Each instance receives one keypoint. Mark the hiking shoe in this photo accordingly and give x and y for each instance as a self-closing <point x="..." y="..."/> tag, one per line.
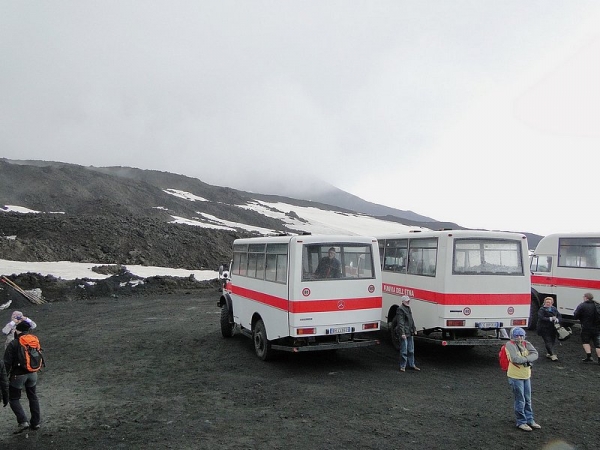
<point x="554" y="358"/>
<point x="535" y="425"/>
<point x="525" y="427"/>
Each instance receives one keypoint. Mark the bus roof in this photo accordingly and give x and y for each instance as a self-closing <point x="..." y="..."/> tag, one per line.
<point x="549" y="244"/>
<point x="453" y="233"/>
<point x="308" y="238"/>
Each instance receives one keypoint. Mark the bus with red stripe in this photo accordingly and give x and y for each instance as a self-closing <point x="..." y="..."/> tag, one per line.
<point x="564" y="266"/>
<point x="303" y="293"/>
<point x="466" y="286"/>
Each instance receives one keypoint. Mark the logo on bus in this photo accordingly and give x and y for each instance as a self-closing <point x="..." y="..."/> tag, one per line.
<point x="341" y="304"/>
<point x="371" y="288"/>
<point x="306" y="292"/>
<point x="467" y="311"/>
<point x="511" y="310"/>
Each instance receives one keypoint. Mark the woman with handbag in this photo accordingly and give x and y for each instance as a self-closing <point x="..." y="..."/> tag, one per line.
<point x="548" y="316"/>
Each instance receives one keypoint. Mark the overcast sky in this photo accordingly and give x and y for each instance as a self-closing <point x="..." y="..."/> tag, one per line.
<point x="483" y="113"/>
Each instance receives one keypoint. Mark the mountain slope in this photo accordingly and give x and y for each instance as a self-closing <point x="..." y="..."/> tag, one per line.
<point x="133" y="216"/>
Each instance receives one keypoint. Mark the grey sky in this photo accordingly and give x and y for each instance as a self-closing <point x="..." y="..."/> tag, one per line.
<point x="479" y="112"/>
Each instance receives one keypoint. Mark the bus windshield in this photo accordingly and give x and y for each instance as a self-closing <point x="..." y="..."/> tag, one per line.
<point x="327" y="261"/>
<point x="487" y="257"/>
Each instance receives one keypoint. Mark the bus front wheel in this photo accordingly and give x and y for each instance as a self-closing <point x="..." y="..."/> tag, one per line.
<point x="227" y="324"/>
<point x="262" y="346"/>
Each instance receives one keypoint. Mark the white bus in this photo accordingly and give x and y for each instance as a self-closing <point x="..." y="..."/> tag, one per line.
<point x="303" y="293"/>
<point x="466" y="286"/>
<point x="564" y="267"/>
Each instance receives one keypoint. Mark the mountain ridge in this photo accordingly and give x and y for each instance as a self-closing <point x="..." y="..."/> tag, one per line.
<point x="126" y="215"/>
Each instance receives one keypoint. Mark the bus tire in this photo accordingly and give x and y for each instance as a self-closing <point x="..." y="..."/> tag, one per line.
<point x="227" y="323"/>
<point x="262" y="346"/>
<point x="533" y="312"/>
<point x="393" y="335"/>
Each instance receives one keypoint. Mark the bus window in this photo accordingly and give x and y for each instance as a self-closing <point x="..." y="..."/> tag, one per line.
<point x="579" y="252"/>
<point x="484" y="256"/>
<point x="330" y="261"/>
<point x="358" y="262"/>
<point x="276" y="264"/>
<point x="256" y="261"/>
<point x="240" y="260"/>
<point x="541" y="263"/>
<point x="423" y="257"/>
<point x="395" y="258"/>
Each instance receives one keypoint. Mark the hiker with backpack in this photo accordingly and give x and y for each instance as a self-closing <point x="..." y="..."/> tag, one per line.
<point x="9" y="329"/>
<point x="23" y="360"/>
<point x="521" y="354"/>
<point x="588" y="314"/>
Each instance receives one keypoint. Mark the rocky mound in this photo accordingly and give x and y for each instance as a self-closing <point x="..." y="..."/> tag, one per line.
<point x="112" y="239"/>
<point x="121" y="284"/>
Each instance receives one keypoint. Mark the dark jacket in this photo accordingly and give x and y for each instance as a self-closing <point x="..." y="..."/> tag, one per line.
<point x="586" y="314"/>
<point x="545" y="326"/>
<point x="329" y="268"/>
<point x="405" y="322"/>
<point x="3" y="383"/>
<point x="11" y="357"/>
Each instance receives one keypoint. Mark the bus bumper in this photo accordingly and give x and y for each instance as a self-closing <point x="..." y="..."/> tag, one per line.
<point x="326" y="346"/>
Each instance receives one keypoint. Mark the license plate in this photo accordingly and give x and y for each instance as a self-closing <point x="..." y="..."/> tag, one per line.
<point x="488" y="325"/>
<point x="340" y="330"/>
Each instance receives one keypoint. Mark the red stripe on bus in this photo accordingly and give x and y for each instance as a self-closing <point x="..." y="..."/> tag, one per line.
<point x="565" y="282"/>
<point x="309" y="306"/>
<point x="271" y="300"/>
<point x="459" y="298"/>
<point x="342" y="304"/>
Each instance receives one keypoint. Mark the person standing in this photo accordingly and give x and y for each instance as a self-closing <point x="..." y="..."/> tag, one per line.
<point x="20" y="378"/>
<point x="9" y="329"/>
<point x="590" y="327"/>
<point x="548" y="316"/>
<point x="406" y="329"/>
<point x="521" y="354"/>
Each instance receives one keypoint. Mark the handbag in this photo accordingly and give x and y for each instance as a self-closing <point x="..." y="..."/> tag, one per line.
<point x="563" y="333"/>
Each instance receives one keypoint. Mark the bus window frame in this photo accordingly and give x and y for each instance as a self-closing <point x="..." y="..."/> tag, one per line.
<point x="571" y="242"/>
<point x="482" y="242"/>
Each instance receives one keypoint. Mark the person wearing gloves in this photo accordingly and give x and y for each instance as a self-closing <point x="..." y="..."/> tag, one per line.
<point x="9" y="329"/>
<point x="521" y="354"/>
<point x="548" y="316"/>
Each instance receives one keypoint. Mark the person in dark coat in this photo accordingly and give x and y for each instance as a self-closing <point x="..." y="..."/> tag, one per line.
<point x="548" y="316"/>
<point x="406" y="329"/>
<point x="590" y="328"/>
<point x="329" y="266"/>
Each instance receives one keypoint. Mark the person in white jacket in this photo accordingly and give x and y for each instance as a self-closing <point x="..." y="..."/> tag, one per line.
<point x="9" y="329"/>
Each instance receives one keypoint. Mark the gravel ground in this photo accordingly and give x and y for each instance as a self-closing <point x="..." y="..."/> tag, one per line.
<point x="142" y="372"/>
